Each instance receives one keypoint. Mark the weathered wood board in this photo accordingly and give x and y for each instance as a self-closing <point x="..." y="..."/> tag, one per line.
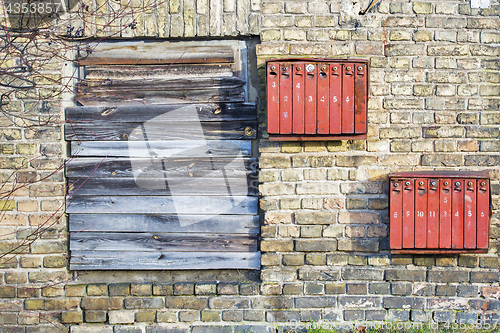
<point x="172" y="242"/>
<point x="162" y="187"/>
<point x="160" y="130"/>
<point x="161" y="71"/>
<point x="119" y="260"/>
<point x="182" y="167"/>
<point x="162" y="149"/>
<point x="205" y="205"/>
<point x="219" y="224"/>
<point x="101" y="115"/>
<point x="134" y="97"/>
<point x="154" y="52"/>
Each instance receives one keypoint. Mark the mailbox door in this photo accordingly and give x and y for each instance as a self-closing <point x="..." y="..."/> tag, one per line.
<point x="285" y="99"/>
<point x="323" y="125"/>
<point x="336" y="98"/>
<point x="483" y="213"/>
<point x="360" y="99"/>
<point x="433" y="214"/>
<point x="408" y="214"/>
<point x="298" y="98"/>
<point x="470" y="227"/>
<point x="445" y="213"/>
<point x="421" y="213"/>
<point x="273" y="98"/>
<point x="457" y="218"/>
<point x="348" y="98"/>
<point x="396" y="215"/>
<point x="310" y="101"/>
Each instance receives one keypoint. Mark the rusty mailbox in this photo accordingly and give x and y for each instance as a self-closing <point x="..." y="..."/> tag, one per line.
<point x="317" y="99"/>
<point x="439" y="212"/>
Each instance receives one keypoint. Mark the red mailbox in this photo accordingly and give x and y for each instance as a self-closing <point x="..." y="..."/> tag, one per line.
<point x="317" y="99"/>
<point x="439" y="212"/>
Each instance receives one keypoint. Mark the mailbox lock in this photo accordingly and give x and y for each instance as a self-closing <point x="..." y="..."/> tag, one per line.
<point x="396" y="184"/>
<point x="421" y="183"/>
<point x="285" y="69"/>
<point x="445" y="183"/>
<point x="457" y="184"/>
<point x="470" y="184"/>
<point x="249" y="131"/>
<point x="407" y="183"/>
<point x="335" y="68"/>
<point x="323" y="68"/>
<point x="299" y="68"/>
<point x="483" y="183"/>
<point x="348" y="68"/>
<point x="273" y="68"/>
<point x="360" y="68"/>
<point x="433" y="183"/>
<point x="310" y="67"/>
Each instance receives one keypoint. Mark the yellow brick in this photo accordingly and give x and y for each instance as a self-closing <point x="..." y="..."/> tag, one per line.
<point x="314" y="146"/>
<point x="7" y="205"/>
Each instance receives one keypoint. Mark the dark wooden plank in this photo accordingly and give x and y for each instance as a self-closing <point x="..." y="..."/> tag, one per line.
<point x="165" y="185"/>
<point x="158" y="71"/>
<point x="219" y="224"/>
<point x="161" y="149"/>
<point x="83" y="167"/>
<point x="133" y="97"/>
<point x="159" y="129"/>
<point x="189" y="205"/>
<point x="168" y="242"/>
<point x="173" y="112"/>
<point x="158" y="84"/>
<point x="108" y="260"/>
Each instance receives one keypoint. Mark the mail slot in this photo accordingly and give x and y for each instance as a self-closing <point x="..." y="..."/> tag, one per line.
<point x="317" y="99"/>
<point x="439" y="212"/>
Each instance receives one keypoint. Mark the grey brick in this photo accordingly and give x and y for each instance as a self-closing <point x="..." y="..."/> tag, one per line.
<point x="283" y="316"/>
<point x="444" y="290"/>
<point x="394" y="302"/>
<point x="448" y="303"/>
<point x="378" y="315"/>
<point x="253" y="329"/>
<point x="444" y="316"/>
<point x="420" y="316"/>
<point x="381" y="288"/>
<point x="448" y="276"/>
<point x="316" y="302"/>
<point x="360" y="301"/>
<point x="398" y="315"/>
<point x="467" y="291"/>
<point x="144" y="303"/>
<point x="467" y="318"/>
<point x="352" y="315"/>
<point x="401" y="289"/>
<point x="485" y="277"/>
<point x="170" y="329"/>
<point x="369" y="274"/>
<point x="405" y="275"/>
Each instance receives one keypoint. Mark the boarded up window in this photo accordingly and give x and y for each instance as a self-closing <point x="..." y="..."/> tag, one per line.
<point x="161" y="174"/>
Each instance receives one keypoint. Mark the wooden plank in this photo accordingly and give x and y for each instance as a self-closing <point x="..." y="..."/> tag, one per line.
<point x="190" y="205"/>
<point x="133" y="97"/>
<point x="146" y="52"/>
<point x="163" y="186"/>
<point x="220" y="224"/>
<point x="158" y="71"/>
<point x="160" y="130"/>
<point x="161" y="149"/>
<point x="168" y="242"/>
<point x="159" y="84"/>
<point x="99" y="115"/>
<point x="88" y="260"/>
<point x="83" y="167"/>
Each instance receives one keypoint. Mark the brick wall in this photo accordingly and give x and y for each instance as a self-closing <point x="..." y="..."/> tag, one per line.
<point x="434" y="101"/>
